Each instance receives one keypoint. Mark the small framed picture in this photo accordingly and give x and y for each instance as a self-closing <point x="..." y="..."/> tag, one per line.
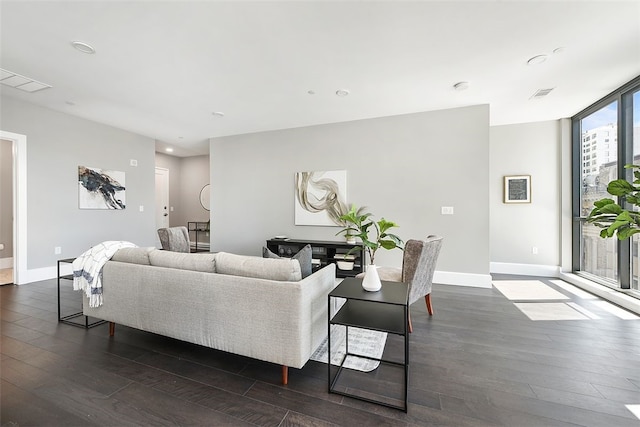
<point x="517" y="189"/>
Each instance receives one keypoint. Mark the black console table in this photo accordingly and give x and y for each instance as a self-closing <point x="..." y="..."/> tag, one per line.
<point x="199" y="227"/>
<point x="324" y="252"/>
<point x="68" y="318"/>
<point x="386" y="310"/>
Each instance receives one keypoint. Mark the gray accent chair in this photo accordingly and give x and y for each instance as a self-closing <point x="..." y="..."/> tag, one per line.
<point x="418" y="265"/>
<point x="175" y="239"/>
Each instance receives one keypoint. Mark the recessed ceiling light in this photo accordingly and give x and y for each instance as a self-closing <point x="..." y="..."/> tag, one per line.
<point x="218" y="114"/>
<point x="83" y="47"/>
<point x="311" y="92"/>
<point x="538" y="59"/>
<point x="560" y="49"/>
<point x="461" y="86"/>
<point x="169" y="150"/>
<point x="342" y="92"/>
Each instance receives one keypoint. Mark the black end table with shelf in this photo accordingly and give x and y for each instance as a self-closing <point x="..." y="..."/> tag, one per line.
<point x="323" y="253"/>
<point x="69" y="318"/>
<point x="386" y="310"/>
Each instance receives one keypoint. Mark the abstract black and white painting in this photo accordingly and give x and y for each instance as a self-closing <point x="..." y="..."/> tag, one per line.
<point x="100" y="189"/>
<point x="320" y="197"/>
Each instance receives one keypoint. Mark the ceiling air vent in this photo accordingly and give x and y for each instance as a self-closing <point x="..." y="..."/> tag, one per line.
<point x="17" y="81"/>
<point x="541" y="93"/>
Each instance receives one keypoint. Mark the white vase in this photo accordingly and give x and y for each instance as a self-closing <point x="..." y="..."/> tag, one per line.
<point x="371" y="281"/>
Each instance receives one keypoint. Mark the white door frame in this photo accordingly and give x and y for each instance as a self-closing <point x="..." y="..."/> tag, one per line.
<point x="19" y="205"/>
<point x="166" y="172"/>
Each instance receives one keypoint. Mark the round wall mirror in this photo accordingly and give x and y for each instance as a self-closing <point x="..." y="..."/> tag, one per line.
<point x="205" y="196"/>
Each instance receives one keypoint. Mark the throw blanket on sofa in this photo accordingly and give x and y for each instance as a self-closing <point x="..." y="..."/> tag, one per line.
<point x="87" y="269"/>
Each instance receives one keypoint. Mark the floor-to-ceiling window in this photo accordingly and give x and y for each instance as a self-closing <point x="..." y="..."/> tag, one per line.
<point x="599" y="165"/>
<point x="606" y="136"/>
<point x="635" y="136"/>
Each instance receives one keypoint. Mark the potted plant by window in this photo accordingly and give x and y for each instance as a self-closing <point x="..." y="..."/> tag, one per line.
<point x="358" y="223"/>
<point x="611" y="216"/>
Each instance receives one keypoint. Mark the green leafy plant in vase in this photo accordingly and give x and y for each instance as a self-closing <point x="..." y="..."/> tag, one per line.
<point x="358" y="223"/>
<point x="611" y="216"/>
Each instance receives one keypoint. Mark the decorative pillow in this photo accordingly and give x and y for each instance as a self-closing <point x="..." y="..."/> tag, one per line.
<point x="205" y="262"/>
<point x="133" y="255"/>
<point x="283" y="269"/>
<point x="303" y="256"/>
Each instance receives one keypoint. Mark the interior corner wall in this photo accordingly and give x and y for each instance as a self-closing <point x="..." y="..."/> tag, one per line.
<point x="174" y="166"/>
<point x="57" y="143"/>
<point x="404" y="168"/>
<point x="527" y="149"/>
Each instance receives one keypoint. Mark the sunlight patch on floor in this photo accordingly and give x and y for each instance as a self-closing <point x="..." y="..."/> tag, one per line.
<point x="550" y="311"/>
<point x="583" y="310"/>
<point x="615" y="310"/>
<point x="6" y="276"/>
<point x="523" y="290"/>
<point x="573" y="289"/>
<point x="635" y="410"/>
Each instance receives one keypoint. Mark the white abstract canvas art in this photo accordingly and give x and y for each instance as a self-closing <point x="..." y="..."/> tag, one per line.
<point x="100" y="189"/>
<point x="320" y="197"/>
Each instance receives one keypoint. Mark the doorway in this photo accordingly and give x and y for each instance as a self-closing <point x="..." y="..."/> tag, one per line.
<point x="162" y="199"/>
<point x="18" y="212"/>
<point x="6" y="212"/>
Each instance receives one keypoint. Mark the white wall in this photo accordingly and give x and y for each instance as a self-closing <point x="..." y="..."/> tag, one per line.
<point x="57" y="144"/>
<point x="528" y="149"/>
<point x="404" y="168"/>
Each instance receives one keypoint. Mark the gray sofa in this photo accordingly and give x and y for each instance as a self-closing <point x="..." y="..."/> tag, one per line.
<point x="255" y="307"/>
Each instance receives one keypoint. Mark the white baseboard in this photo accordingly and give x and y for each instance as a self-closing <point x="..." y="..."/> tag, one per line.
<point x="525" y="269"/>
<point x="440" y="277"/>
<point x="613" y="295"/>
<point x="462" y="279"/>
<point x="6" y="262"/>
<point x="44" y="273"/>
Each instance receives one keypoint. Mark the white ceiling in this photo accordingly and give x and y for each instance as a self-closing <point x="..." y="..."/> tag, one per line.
<point x="162" y="68"/>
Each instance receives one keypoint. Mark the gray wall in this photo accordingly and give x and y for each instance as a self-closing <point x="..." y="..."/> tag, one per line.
<point x="57" y="144"/>
<point x="527" y="149"/>
<point x="194" y="176"/>
<point x="404" y="168"/>
<point x="6" y="198"/>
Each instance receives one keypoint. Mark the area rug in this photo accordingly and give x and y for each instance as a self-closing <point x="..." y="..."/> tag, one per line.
<point x="361" y="341"/>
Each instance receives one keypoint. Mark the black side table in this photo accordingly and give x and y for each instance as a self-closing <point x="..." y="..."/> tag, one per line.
<point x="67" y="319"/>
<point x="387" y="311"/>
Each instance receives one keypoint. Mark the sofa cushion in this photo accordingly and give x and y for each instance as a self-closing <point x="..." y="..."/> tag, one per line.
<point x="303" y="256"/>
<point x="185" y="261"/>
<point x="133" y="255"/>
<point x="283" y="269"/>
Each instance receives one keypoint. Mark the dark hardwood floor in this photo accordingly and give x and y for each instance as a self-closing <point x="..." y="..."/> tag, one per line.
<point x="479" y="361"/>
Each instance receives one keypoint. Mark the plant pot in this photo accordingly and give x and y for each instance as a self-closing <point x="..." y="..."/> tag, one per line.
<point x="371" y="281"/>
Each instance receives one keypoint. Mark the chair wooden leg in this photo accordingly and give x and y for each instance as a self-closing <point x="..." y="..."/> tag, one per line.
<point x="427" y="298"/>
<point x="410" y="326"/>
<point x="285" y="374"/>
<point x="112" y="329"/>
